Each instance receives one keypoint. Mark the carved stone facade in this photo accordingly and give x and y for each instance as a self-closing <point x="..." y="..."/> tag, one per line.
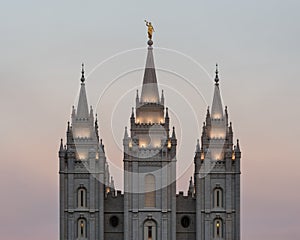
<point x="149" y="208"/>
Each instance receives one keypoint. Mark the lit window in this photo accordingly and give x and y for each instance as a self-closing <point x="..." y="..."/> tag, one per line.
<point x="81" y="229"/>
<point x="218" y="228"/>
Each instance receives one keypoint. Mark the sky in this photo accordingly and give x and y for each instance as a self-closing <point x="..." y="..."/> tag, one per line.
<point x="256" y="44"/>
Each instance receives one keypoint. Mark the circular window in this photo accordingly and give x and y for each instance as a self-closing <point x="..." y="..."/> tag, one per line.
<point x="185" y="221"/>
<point x="114" y="221"/>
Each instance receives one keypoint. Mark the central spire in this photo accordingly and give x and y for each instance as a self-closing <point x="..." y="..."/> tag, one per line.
<point x="150" y="88"/>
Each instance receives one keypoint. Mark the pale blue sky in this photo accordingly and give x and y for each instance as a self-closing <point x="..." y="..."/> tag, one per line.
<point x="256" y="43"/>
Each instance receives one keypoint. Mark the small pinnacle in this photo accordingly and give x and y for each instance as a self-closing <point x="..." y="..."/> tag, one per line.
<point x="198" y="146"/>
<point x="173" y="133"/>
<point x="61" y="144"/>
<point x="167" y="112"/>
<point x="125" y="133"/>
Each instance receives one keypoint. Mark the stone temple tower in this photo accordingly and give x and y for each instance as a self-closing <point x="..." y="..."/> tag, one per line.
<point x="83" y="174"/>
<point x="217" y="176"/>
<point x="149" y="209"/>
<point x="150" y="165"/>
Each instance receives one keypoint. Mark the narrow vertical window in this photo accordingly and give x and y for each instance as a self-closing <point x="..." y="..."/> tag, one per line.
<point x="150" y="233"/>
<point x="150" y="195"/>
<point x="81" y="228"/>
<point x="218" y="198"/>
<point x="218" y="228"/>
<point x="81" y="198"/>
<point x="149" y="230"/>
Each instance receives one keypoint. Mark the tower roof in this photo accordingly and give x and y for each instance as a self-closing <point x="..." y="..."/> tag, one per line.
<point x="82" y="108"/>
<point x="217" y="108"/>
<point x="150" y="88"/>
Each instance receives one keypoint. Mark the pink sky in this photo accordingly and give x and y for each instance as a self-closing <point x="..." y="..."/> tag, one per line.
<point x="256" y="45"/>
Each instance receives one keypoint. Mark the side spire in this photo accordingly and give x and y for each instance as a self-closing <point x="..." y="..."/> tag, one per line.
<point x="217" y="108"/>
<point x="150" y="88"/>
<point x="82" y="108"/>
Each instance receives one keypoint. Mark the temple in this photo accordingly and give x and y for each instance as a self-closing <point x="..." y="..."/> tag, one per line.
<point x="149" y="208"/>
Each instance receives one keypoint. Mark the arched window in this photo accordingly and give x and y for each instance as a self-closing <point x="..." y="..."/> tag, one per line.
<point x="149" y="230"/>
<point x="150" y="191"/>
<point x="218" y="198"/>
<point x="218" y="228"/>
<point x="82" y="229"/>
<point x="81" y="197"/>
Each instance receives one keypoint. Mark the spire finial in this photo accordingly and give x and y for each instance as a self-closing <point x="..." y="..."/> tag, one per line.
<point x="82" y="73"/>
<point x="217" y="75"/>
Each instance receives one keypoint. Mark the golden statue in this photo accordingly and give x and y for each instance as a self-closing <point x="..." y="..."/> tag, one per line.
<point x="150" y="29"/>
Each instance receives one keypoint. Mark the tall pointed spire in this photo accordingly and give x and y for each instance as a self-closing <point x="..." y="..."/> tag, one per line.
<point x="150" y="88"/>
<point x="82" y="108"/>
<point x="217" y="108"/>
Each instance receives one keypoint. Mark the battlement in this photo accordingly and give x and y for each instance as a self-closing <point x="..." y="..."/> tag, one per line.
<point x="150" y="104"/>
<point x="140" y="125"/>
